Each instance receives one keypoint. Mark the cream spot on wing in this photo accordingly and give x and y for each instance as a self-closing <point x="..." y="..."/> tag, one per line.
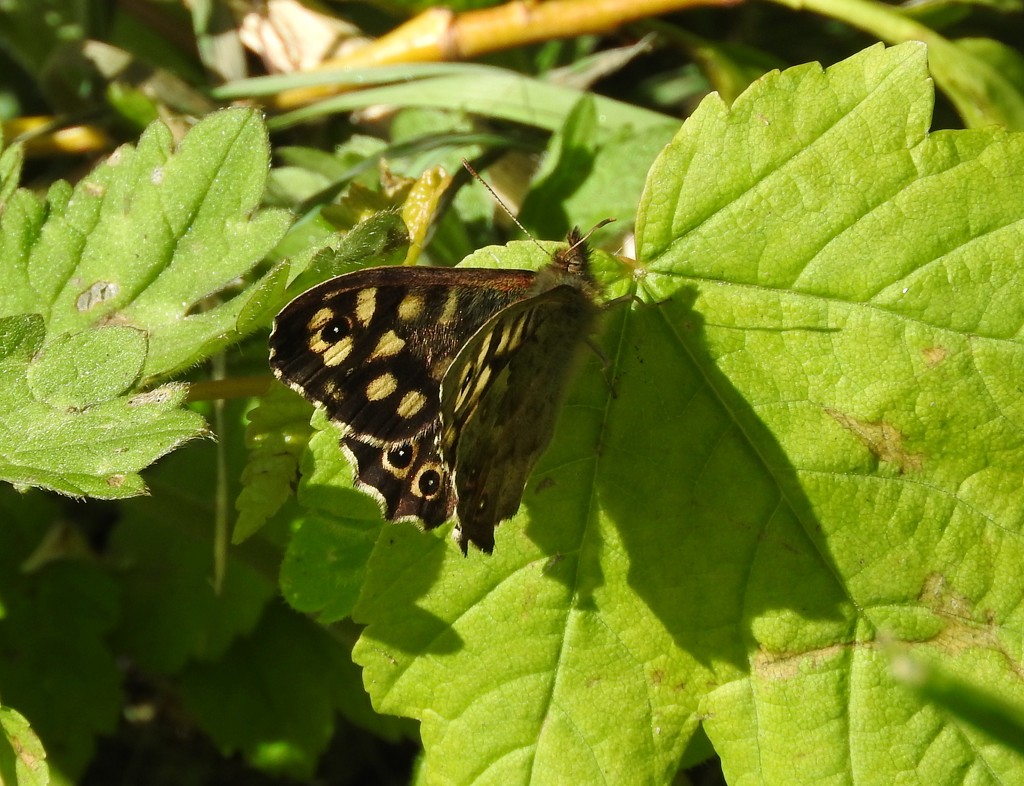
<point x="411" y="307"/>
<point x="319" y="319"/>
<point x="506" y="331"/>
<point x="515" y="334"/>
<point x="382" y="387"/>
<point x="439" y="367"/>
<point x="485" y="351"/>
<point x="412" y="402"/>
<point x="511" y="336"/>
<point x="337" y="352"/>
<point x="390" y="344"/>
<point x="482" y="380"/>
<point x="366" y="304"/>
<point x="451" y="306"/>
<point x="472" y="392"/>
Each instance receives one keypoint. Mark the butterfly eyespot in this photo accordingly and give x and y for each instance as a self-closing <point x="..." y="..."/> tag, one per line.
<point x="337" y="329"/>
<point x="429" y="483"/>
<point x="400" y="457"/>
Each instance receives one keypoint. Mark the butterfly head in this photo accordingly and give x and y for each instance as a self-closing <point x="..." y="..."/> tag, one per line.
<point x="575" y="258"/>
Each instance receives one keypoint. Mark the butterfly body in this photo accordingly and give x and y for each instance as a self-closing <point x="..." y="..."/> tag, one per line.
<point x="447" y="381"/>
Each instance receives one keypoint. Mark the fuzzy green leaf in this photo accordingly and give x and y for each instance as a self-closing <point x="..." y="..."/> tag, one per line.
<point x="21" y="336"/>
<point x="147" y="238"/>
<point x="96" y="451"/>
<point x="275" y="436"/>
<point x="809" y="445"/>
<point x="325" y="563"/>
<point x="855" y="318"/>
<point x="120" y="281"/>
<point x="152" y="234"/>
<point x="87" y="368"/>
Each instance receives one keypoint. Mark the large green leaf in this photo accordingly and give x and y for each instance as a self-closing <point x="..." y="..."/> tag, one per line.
<point x="803" y="455"/>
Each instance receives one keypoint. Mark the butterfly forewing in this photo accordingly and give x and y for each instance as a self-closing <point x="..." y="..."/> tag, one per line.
<point x="371" y="347"/>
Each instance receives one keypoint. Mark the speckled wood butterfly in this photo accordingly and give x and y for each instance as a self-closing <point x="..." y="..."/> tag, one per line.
<point x="447" y="381"/>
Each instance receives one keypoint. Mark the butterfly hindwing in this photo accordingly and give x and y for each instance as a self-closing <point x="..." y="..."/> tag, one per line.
<point x="500" y="399"/>
<point x="409" y="479"/>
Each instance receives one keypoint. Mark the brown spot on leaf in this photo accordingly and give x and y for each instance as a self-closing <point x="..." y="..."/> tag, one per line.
<point x="25" y="756"/>
<point x="934" y="356"/>
<point x="115" y="481"/>
<point x="961" y="631"/>
<point x="883" y="439"/>
<point x="99" y="292"/>
<point x="939" y="598"/>
<point x="114" y="318"/>
<point x="784" y="666"/>
<point x="160" y="395"/>
<point x="544" y="484"/>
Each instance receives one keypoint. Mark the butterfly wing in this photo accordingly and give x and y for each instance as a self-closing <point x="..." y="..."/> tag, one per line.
<point x="371" y="348"/>
<point x="500" y="399"/>
<point x="408" y="479"/>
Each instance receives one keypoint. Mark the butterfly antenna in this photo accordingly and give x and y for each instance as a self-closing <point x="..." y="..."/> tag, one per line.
<point x="526" y="232"/>
<point x="593" y="229"/>
<point x="504" y="207"/>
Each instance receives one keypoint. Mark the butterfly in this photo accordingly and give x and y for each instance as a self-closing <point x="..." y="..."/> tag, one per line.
<point x="446" y="381"/>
